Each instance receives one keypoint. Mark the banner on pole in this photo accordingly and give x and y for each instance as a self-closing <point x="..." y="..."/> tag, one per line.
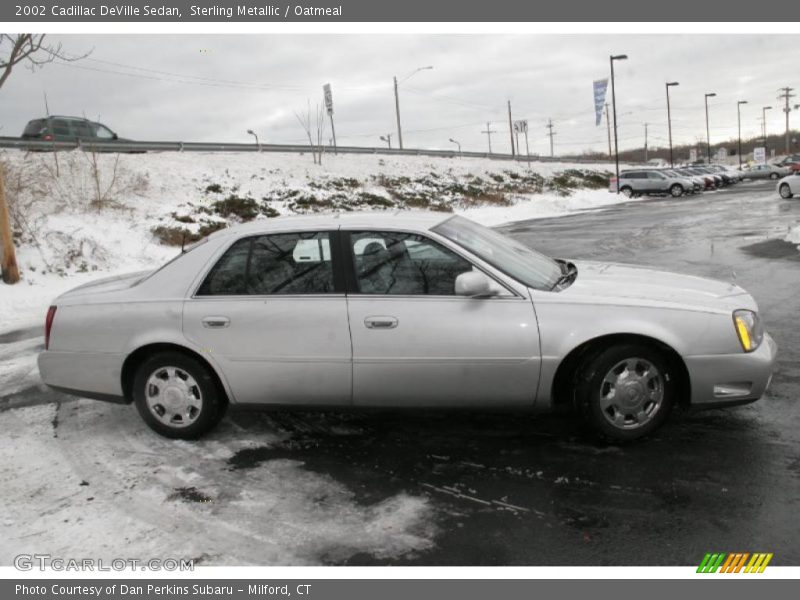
<point x="600" y="89"/>
<point x="326" y="89"/>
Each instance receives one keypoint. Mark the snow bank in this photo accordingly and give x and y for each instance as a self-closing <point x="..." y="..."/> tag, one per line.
<point x="793" y="237"/>
<point x="79" y="216"/>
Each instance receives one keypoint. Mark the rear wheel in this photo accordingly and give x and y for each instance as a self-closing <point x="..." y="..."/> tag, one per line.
<point x="773" y="175"/>
<point x="177" y="396"/>
<point x="625" y="392"/>
<point x="676" y="190"/>
<point x="785" y="191"/>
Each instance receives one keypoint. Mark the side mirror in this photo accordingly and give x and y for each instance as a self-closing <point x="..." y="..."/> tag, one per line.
<point x="474" y="284"/>
<point x="115" y="137"/>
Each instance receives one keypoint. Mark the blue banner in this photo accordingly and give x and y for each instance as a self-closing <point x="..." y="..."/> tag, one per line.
<point x="600" y="88"/>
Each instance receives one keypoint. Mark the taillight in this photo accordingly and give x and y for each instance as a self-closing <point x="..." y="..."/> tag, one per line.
<point x="48" y="138"/>
<point x="48" y="325"/>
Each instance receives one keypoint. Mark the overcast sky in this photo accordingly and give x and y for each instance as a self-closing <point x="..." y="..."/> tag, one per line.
<point x="214" y="88"/>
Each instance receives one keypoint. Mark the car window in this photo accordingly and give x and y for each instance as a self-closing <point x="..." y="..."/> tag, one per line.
<point x="34" y="127"/>
<point x="60" y="127"/>
<point x="654" y="175"/>
<point x="397" y="263"/>
<point x="82" y="129"/>
<point x="102" y="132"/>
<point x="276" y="264"/>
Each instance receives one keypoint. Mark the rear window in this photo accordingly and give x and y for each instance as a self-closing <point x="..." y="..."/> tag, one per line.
<point x="34" y="127"/>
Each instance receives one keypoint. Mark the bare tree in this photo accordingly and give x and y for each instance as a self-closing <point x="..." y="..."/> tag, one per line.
<point x="314" y="125"/>
<point x="30" y="50"/>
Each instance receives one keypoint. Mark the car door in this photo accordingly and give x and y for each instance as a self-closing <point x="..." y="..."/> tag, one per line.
<point x="272" y="314"/>
<point x="656" y="182"/>
<point x="416" y="343"/>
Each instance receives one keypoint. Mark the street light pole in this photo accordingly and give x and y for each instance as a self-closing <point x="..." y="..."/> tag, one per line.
<point x="612" y="58"/>
<point x="457" y="144"/>
<point x="388" y="139"/>
<point x="669" y="123"/>
<point x="708" y="130"/>
<point x="253" y="133"/>
<point x="397" y="102"/>
<point x="739" y="116"/>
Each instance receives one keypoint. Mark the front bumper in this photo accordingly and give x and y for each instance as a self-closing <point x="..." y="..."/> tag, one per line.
<point x="731" y="379"/>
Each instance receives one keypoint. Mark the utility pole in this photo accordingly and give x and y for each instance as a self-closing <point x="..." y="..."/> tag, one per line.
<point x="739" y="117"/>
<point x="786" y="95"/>
<point x="764" y="128"/>
<point x="608" y="126"/>
<point x="397" y="111"/>
<point x="645" y="142"/>
<point x="489" y="131"/>
<point x="511" y="130"/>
<point x="550" y="134"/>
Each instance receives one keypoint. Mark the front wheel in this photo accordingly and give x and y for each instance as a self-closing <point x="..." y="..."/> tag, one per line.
<point x="773" y="175"/>
<point x="676" y="191"/>
<point x="785" y="191"/>
<point x="625" y="392"/>
<point x="626" y="191"/>
<point x="177" y="396"/>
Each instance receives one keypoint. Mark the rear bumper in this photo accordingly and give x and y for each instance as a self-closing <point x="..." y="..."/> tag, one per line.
<point x="88" y="374"/>
<point x="731" y="379"/>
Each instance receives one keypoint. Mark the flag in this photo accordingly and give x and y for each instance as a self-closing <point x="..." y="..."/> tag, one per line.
<point x="600" y="88"/>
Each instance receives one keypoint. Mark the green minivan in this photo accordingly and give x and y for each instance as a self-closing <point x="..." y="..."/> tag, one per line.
<point x="68" y="129"/>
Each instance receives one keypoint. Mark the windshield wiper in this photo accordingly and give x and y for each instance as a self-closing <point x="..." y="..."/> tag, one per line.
<point x="568" y="274"/>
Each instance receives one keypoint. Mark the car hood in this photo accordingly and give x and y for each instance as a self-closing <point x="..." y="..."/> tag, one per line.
<point x="106" y="284"/>
<point x="615" y="283"/>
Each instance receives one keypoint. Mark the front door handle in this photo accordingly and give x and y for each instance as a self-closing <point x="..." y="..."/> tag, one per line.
<point x="216" y="322"/>
<point x="380" y="322"/>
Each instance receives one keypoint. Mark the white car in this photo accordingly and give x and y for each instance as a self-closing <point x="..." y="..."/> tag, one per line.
<point x="789" y="186"/>
<point x="404" y="310"/>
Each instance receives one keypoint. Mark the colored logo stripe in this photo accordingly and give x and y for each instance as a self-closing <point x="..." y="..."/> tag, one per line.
<point x="734" y="562"/>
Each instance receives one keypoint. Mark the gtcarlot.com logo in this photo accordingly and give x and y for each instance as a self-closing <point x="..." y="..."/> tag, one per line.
<point x="736" y="562"/>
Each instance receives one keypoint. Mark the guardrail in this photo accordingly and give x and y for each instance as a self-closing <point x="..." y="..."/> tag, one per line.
<point x="135" y="147"/>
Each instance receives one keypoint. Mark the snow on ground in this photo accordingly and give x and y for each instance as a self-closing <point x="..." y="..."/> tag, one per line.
<point x="793" y="237"/>
<point x="88" y="479"/>
<point x="81" y="217"/>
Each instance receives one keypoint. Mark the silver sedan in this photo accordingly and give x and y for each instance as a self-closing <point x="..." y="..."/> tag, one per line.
<point x="403" y="310"/>
<point x="788" y="187"/>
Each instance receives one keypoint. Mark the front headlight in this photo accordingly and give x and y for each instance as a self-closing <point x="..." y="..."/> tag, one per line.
<point x="748" y="328"/>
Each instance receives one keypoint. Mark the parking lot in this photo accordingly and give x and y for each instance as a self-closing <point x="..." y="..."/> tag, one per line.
<point x="443" y="488"/>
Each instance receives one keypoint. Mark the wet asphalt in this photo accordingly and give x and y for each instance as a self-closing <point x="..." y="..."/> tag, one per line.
<point x="510" y="489"/>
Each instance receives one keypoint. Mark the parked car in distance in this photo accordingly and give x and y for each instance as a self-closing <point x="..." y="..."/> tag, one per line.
<point x="765" y="171"/>
<point x="790" y="162"/>
<point x="69" y="129"/>
<point x="692" y="184"/>
<point x="635" y="182"/>
<point x="705" y="182"/>
<point x="789" y="186"/>
<point x="403" y="310"/>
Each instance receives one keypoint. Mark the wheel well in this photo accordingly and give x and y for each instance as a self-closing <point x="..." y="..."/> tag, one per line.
<point x="566" y="370"/>
<point x="138" y="356"/>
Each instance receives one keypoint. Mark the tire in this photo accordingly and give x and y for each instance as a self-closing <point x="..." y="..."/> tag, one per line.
<point x="785" y="191"/>
<point x="177" y="396"/>
<point x="635" y="404"/>
<point x="626" y="191"/>
<point x="676" y="190"/>
<point x="773" y="176"/>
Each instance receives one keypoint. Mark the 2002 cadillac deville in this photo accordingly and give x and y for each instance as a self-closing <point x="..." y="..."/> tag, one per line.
<point x="403" y="310"/>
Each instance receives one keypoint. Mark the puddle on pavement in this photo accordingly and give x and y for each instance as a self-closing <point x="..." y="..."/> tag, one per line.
<point x="774" y="248"/>
<point x="189" y="494"/>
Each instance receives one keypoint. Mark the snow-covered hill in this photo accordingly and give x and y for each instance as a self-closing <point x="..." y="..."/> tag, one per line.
<point x="78" y="215"/>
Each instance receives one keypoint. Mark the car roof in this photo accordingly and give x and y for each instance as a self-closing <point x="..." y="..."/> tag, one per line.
<point x="398" y="219"/>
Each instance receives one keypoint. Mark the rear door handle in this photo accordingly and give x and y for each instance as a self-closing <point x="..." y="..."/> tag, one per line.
<point x="380" y="322"/>
<point x="216" y="322"/>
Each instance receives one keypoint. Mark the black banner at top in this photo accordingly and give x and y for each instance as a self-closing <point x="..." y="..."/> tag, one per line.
<point x="48" y="11"/>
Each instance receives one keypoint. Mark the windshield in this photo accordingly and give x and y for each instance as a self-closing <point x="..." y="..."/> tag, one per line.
<point x="502" y="252"/>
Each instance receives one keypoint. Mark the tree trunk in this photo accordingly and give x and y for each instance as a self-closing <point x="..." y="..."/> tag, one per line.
<point x="8" y="258"/>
